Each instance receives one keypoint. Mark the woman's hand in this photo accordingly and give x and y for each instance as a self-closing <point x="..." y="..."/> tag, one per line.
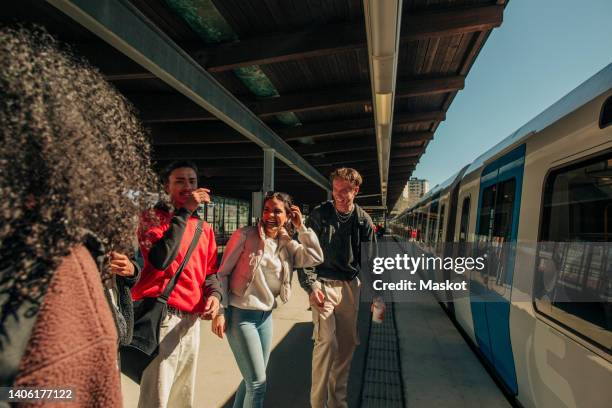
<point x="218" y="325"/>
<point x="296" y="216"/>
<point x="211" y="308"/>
<point x="282" y="234"/>
<point x="121" y="265"/>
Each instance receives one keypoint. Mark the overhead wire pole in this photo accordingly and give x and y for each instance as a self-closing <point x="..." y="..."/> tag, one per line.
<point x="124" y="27"/>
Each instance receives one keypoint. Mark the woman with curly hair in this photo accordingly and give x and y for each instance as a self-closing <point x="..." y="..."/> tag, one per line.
<point x="257" y="266"/>
<point x="74" y="164"/>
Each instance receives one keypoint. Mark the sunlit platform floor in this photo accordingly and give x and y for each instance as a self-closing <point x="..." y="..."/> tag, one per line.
<point x="416" y="358"/>
<point x="218" y="376"/>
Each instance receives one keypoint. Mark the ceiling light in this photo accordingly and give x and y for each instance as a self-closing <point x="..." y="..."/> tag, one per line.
<point x="383" y="108"/>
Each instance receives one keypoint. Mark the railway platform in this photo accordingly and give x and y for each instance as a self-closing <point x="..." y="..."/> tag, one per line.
<point x="416" y="358"/>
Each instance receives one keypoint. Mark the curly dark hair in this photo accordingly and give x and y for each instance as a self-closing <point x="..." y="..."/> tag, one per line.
<point x="73" y="157"/>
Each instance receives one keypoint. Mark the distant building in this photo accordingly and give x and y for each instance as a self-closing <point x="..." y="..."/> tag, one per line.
<point x="415" y="188"/>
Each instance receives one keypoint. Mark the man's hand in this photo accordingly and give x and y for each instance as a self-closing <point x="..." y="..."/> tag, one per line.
<point x="317" y="297"/>
<point x="121" y="265"/>
<point x="379" y="303"/>
<point x="219" y="325"/>
<point x="211" y="308"/>
<point x="197" y="197"/>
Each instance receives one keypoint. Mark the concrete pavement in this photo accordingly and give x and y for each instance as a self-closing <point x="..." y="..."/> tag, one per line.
<point x="218" y="376"/>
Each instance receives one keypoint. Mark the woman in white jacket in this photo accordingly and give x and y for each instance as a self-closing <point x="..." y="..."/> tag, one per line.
<point x="257" y="266"/>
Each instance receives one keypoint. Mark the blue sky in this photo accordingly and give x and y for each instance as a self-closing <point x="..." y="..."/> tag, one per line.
<point x="543" y="50"/>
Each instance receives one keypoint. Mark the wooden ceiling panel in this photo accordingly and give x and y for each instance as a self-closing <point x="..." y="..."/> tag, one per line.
<point x="256" y="17"/>
<point x="163" y="17"/>
<point x="336" y="113"/>
<point x="419" y="104"/>
<point x="422" y="5"/>
<point x="346" y="67"/>
<point x="315" y="54"/>
<point x="232" y="83"/>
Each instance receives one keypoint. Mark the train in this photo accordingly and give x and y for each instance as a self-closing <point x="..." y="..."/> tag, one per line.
<point x="547" y="187"/>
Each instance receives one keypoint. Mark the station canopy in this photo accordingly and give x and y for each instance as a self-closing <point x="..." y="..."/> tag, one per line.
<point x="220" y="81"/>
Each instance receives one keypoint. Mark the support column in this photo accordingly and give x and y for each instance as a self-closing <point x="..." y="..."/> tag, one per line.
<point x="268" y="172"/>
<point x="329" y="195"/>
<point x="267" y="185"/>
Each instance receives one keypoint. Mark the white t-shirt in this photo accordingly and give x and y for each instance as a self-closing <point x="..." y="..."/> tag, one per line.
<point x="266" y="285"/>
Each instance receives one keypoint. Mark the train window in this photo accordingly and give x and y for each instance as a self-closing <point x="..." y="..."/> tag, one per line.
<point x="419" y="225"/>
<point x="573" y="278"/>
<point x="504" y="205"/>
<point x="487" y="212"/>
<point x="441" y="225"/>
<point x="432" y="221"/>
<point x="495" y="224"/>
<point x="605" y="118"/>
<point x="465" y="220"/>
<point x="495" y="229"/>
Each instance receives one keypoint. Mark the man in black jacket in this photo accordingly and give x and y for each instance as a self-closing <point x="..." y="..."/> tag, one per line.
<point x="344" y="231"/>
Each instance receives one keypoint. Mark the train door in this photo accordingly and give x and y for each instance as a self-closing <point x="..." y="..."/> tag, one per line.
<point x="496" y="230"/>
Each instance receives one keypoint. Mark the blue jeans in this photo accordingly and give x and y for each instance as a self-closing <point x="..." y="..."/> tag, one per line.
<point x="249" y="333"/>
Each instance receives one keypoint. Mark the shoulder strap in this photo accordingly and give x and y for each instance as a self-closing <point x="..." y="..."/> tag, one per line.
<point x="194" y="242"/>
<point x="362" y="220"/>
<point x="359" y="228"/>
<point x="327" y="211"/>
<point x="361" y="215"/>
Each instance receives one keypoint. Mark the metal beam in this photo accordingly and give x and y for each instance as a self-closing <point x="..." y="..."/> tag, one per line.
<point x="345" y="150"/>
<point x="408" y="155"/>
<point x="203" y="152"/>
<point x="360" y="124"/>
<point x="213" y="133"/>
<point x="195" y="133"/>
<point x="349" y="146"/>
<point x="165" y="107"/>
<point x="334" y="147"/>
<point x="220" y="163"/>
<point x="121" y="25"/>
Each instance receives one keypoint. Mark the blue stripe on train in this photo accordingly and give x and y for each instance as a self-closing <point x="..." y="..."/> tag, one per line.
<point x="491" y="318"/>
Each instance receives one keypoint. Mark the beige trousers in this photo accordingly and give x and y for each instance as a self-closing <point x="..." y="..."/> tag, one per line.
<point x="335" y="335"/>
<point x="169" y="381"/>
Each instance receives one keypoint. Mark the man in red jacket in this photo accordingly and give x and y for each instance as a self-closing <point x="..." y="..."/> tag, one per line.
<point x="164" y="239"/>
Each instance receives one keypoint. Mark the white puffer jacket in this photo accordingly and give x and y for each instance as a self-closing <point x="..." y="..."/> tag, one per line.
<point x="243" y="253"/>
